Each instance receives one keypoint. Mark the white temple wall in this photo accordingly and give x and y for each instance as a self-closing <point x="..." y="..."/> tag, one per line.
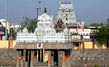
<point x="45" y="32"/>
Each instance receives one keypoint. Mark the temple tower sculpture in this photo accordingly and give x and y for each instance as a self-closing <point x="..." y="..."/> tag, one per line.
<point x="66" y="13"/>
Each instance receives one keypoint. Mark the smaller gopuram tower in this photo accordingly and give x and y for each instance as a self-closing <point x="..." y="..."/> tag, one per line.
<point x="66" y="13"/>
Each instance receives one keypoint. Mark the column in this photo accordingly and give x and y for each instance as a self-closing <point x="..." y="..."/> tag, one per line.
<point x="93" y="45"/>
<point x="17" y="60"/>
<point x="61" y="58"/>
<point x="79" y="46"/>
<point x="49" y="58"/>
<point x="26" y="58"/>
<point x="68" y="58"/>
<point x="35" y="56"/>
<point x="22" y="58"/>
<point x="32" y="58"/>
<point x="29" y="61"/>
<point x="83" y="46"/>
<point x="39" y="56"/>
<point x="42" y="55"/>
<point x="8" y="44"/>
<point x="52" y="58"/>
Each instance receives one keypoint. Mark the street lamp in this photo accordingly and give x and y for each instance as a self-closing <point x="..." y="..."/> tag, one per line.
<point x="6" y="19"/>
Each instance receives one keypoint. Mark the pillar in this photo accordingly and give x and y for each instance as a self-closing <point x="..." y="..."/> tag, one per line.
<point x="35" y="56"/>
<point x="26" y="64"/>
<point x="18" y="58"/>
<point x="29" y="61"/>
<point x="17" y="62"/>
<point x="39" y="59"/>
<point x="83" y="46"/>
<point x="12" y="44"/>
<point x="8" y="44"/>
<point x="42" y="55"/>
<point x="93" y="45"/>
<point x="68" y="59"/>
<point x="22" y="58"/>
<point x="79" y="46"/>
<point x="26" y="58"/>
<point x="52" y="58"/>
<point x="49" y="58"/>
<point x="61" y="59"/>
<point x="32" y="59"/>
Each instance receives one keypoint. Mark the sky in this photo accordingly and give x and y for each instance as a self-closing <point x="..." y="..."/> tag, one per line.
<point x="86" y="10"/>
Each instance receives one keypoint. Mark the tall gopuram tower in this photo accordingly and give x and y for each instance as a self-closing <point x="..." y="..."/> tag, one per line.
<point x="66" y="13"/>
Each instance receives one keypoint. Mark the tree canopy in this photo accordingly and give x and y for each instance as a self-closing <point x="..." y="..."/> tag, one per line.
<point x="30" y="24"/>
<point x="102" y="36"/>
<point x="96" y="24"/>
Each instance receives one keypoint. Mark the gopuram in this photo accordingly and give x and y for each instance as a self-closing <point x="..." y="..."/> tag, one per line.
<point x="66" y="13"/>
<point x="45" y="47"/>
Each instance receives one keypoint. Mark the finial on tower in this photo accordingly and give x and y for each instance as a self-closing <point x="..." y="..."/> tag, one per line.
<point x="45" y="10"/>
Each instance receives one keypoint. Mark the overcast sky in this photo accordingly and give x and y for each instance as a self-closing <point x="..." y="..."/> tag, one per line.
<point x="86" y="10"/>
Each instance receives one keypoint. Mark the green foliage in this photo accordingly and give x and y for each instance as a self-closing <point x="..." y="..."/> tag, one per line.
<point x="73" y="34"/>
<point x="30" y="24"/>
<point x="12" y="34"/>
<point x="86" y="27"/>
<point x="22" y="27"/>
<point x="97" y="24"/>
<point x="102" y="35"/>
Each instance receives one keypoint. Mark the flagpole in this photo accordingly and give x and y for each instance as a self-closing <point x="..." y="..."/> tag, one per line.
<point x="6" y="19"/>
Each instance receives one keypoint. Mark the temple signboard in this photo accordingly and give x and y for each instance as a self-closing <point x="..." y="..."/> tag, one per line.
<point x="39" y="45"/>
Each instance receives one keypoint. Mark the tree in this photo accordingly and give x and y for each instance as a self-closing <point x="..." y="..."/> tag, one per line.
<point x="12" y="34"/>
<point x="96" y="24"/>
<point x="102" y="36"/>
<point x="30" y="24"/>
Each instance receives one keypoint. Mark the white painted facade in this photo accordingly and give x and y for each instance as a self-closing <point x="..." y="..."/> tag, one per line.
<point x="3" y="22"/>
<point x="45" y="32"/>
<point x="66" y="13"/>
<point x="84" y="32"/>
<point x="81" y="31"/>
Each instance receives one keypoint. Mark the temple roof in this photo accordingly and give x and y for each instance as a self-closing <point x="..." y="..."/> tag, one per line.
<point x="45" y="16"/>
<point x="46" y="45"/>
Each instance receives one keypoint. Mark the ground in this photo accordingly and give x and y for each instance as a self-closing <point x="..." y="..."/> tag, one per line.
<point x="92" y="58"/>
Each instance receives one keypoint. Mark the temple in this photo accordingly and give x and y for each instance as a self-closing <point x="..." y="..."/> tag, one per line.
<point x="46" y="46"/>
<point x="66" y="13"/>
<point x="45" y="32"/>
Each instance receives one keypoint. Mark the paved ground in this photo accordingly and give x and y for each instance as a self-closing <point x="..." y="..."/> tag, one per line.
<point x="7" y="57"/>
<point x="93" y="58"/>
